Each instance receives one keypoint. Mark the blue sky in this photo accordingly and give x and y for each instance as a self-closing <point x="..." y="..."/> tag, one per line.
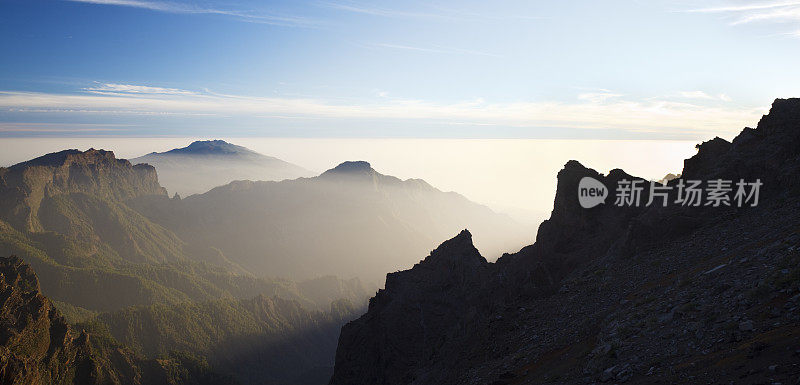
<point x="461" y="69"/>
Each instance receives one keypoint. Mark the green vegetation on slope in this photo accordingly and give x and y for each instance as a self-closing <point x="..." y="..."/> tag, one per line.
<point x="268" y="339"/>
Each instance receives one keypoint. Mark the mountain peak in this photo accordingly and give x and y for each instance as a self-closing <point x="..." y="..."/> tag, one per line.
<point x="66" y="157"/>
<point x="458" y="250"/>
<point x="210" y="147"/>
<point x="351" y="168"/>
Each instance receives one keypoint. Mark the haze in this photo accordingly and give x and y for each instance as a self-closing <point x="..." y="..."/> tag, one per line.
<point x="514" y="176"/>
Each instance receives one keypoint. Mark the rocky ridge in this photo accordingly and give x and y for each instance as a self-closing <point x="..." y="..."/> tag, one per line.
<point x="25" y="185"/>
<point x="609" y="294"/>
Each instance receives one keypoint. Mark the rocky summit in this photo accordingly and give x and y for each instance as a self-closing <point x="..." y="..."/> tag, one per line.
<point x="609" y="294"/>
<point x="25" y="186"/>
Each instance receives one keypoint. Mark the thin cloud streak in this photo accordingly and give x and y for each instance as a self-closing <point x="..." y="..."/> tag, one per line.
<point x="753" y="7"/>
<point x="130" y="89"/>
<point x="181" y="8"/>
<point x="608" y="112"/>
<point x="384" y="12"/>
<point x="58" y="127"/>
<point x="435" y="49"/>
<point x="439" y="13"/>
<point x="769" y="12"/>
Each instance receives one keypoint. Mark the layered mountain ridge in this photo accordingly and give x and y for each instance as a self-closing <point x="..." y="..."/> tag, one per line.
<point x="645" y="294"/>
<point x="349" y="221"/>
<point x="69" y="216"/>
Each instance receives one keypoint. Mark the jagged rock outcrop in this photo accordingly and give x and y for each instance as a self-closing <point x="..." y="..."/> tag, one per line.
<point x="421" y="302"/>
<point x="625" y="294"/>
<point x="36" y="344"/>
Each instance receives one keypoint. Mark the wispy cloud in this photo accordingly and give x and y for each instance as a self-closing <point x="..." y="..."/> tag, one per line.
<point x="185" y="8"/>
<point x="702" y="95"/>
<point x="598" y="96"/>
<point x="600" y="111"/>
<point x="769" y="12"/>
<point x="384" y="12"/>
<point x="753" y="6"/>
<point x="130" y="89"/>
<point x="434" y="49"/>
<point x="695" y="95"/>
<point x="432" y="12"/>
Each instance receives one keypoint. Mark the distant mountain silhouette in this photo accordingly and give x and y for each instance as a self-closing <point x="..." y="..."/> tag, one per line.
<point x="212" y="147"/>
<point x="349" y="221"/>
<point x="205" y="164"/>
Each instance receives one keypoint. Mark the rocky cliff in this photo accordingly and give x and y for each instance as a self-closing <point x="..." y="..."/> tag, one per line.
<point x="24" y="186"/>
<point x="36" y="344"/>
<point x="645" y="294"/>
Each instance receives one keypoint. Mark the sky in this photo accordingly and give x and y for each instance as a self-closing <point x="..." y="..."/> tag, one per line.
<point x="621" y="70"/>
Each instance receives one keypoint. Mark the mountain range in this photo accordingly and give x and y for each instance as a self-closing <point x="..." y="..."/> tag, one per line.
<point x="203" y="165"/>
<point x="114" y="282"/>
<point x="194" y="279"/>
<point x="115" y="274"/>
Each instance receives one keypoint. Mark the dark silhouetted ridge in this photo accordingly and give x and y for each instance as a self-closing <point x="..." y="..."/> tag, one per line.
<point x="610" y="294"/>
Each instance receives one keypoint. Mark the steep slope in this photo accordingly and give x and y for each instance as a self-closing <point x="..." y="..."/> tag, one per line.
<point x="350" y="220"/>
<point x="37" y="346"/>
<point x="645" y="295"/>
<point x="203" y="165"/>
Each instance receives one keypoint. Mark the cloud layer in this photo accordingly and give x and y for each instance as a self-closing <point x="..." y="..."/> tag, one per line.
<point x="691" y="115"/>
